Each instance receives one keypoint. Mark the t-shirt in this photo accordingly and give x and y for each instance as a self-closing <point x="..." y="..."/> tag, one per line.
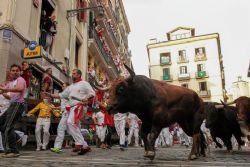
<point x="17" y="96"/>
<point x="47" y="79"/>
<point x="26" y="76"/>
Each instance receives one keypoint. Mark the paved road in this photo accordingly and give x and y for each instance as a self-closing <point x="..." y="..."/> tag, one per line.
<point x="167" y="157"/>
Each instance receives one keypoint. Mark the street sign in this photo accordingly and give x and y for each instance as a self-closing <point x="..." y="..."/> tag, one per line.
<point x="32" y="51"/>
<point x="7" y="34"/>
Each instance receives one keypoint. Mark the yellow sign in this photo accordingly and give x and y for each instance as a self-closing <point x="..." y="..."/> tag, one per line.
<point x="31" y="54"/>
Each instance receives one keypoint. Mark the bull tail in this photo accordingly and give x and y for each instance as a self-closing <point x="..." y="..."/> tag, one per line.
<point x="203" y="144"/>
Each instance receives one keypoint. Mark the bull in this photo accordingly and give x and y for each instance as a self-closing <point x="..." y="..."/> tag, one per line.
<point x="222" y="123"/>
<point x="159" y="105"/>
<point x="243" y="111"/>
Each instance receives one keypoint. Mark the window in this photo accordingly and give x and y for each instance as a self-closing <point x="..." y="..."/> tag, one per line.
<point x="185" y="85"/>
<point x="165" y="58"/>
<point x="183" y="69"/>
<point x="200" y="67"/>
<point x="166" y="71"/>
<point x="203" y="86"/>
<point x="200" y="52"/>
<point x="182" y="55"/>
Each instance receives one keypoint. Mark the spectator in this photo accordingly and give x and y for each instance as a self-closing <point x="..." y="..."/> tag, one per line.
<point x="43" y="122"/>
<point x="47" y="82"/>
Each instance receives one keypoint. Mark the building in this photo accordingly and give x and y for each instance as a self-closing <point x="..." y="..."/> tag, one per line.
<point x="191" y="61"/>
<point x="239" y="88"/>
<point x="65" y="38"/>
<point x="108" y="40"/>
<point x="44" y="23"/>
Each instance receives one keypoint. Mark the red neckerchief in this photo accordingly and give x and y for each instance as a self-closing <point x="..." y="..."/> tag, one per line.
<point x="78" y="80"/>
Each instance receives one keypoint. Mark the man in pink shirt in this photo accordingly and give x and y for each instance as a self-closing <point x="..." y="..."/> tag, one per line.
<point x="8" y="120"/>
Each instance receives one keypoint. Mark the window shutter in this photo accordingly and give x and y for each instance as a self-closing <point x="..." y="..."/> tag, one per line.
<point x="83" y="15"/>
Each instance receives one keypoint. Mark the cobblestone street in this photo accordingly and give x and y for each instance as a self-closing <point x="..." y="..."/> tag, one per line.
<point x="174" y="156"/>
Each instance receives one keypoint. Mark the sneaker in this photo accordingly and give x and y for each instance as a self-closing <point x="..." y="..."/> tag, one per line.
<point x="24" y="140"/>
<point x="43" y="147"/>
<point x="56" y="150"/>
<point x="84" y="150"/>
<point x="11" y="155"/>
<point x="38" y="149"/>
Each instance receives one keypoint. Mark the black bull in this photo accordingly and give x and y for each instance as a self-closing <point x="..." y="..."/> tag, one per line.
<point x="159" y="105"/>
<point x="222" y="123"/>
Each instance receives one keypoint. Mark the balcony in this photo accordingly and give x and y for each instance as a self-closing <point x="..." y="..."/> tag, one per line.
<point x="201" y="74"/>
<point x="204" y="93"/>
<point x="200" y="58"/>
<point x="165" y="62"/>
<point x="185" y="76"/>
<point x="167" y="77"/>
<point x="182" y="60"/>
<point x="112" y="34"/>
<point x="108" y="59"/>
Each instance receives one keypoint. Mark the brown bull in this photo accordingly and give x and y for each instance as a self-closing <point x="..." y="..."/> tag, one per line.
<point x="158" y="105"/>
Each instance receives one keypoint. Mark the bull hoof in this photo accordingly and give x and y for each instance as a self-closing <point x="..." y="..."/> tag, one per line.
<point x="229" y="151"/>
<point x="149" y="154"/>
<point x="192" y="157"/>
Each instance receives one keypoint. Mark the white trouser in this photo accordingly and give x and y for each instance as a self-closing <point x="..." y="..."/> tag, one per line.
<point x="166" y="136"/>
<point x="42" y="123"/>
<point x="62" y="127"/>
<point x="75" y="130"/>
<point x="1" y="142"/>
<point x="135" y="132"/>
<point x="120" y="129"/>
<point x="160" y="140"/>
<point x="101" y="131"/>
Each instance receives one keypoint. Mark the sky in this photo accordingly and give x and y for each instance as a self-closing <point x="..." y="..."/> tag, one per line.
<point x="230" y="18"/>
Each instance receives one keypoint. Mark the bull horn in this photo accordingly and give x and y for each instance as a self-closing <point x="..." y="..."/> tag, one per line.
<point x="131" y="72"/>
<point x="219" y="106"/>
<point x="101" y="88"/>
<point x="232" y="102"/>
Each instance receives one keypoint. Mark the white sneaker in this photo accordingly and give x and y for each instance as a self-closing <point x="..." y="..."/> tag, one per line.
<point x="24" y="140"/>
<point x="43" y="147"/>
<point x="38" y="149"/>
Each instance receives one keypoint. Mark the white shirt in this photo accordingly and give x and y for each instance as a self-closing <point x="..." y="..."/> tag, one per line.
<point x="99" y="118"/>
<point x="120" y="116"/>
<point x="5" y="103"/>
<point x="133" y="120"/>
<point x="80" y="90"/>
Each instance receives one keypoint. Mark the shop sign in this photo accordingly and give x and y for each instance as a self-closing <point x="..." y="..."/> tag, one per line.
<point x="32" y="51"/>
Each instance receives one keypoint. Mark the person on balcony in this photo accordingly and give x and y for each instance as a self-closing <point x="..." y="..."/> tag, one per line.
<point x="48" y="31"/>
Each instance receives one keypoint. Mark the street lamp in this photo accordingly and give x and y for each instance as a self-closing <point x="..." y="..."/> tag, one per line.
<point x="74" y="12"/>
